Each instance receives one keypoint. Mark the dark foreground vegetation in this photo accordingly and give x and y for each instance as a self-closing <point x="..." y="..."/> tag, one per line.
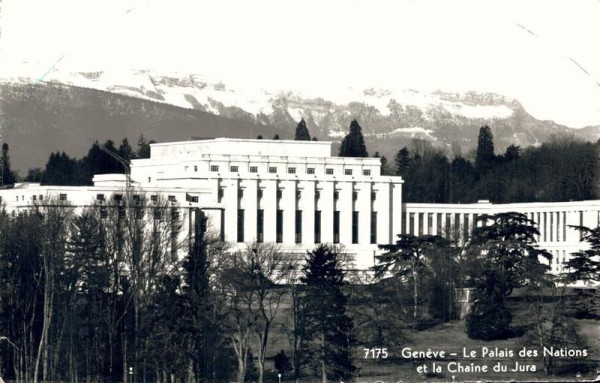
<point x="102" y="295"/>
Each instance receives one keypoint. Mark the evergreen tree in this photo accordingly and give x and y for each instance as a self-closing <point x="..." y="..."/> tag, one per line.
<point x="402" y="161"/>
<point x="485" y="157"/>
<point x="259" y="137"/>
<point x="8" y="177"/>
<point x="125" y="150"/>
<point x="276" y="137"/>
<point x="143" y="147"/>
<point x="302" y="132"/>
<point x="327" y="324"/>
<point x="353" y="145"/>
<point x="196" y="296"/>
<point x="503" y="255"/>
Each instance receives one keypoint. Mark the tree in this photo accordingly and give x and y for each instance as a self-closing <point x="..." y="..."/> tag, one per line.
<point x="34" y="175"/>
<point x="259" y="137"/>
<point x="125" y="150"/>
<point x="143" y="147"/>
<point x="402" y="161"/>
<point x="503" y="255"/>
<point x="8" y="176"/>
<point x="328" y="326"/>
<point x="302" y="133"/>
<point x="196" y="294"/>
<point x="584" y="265"/>
<point x="255" y="280"/>
<point x="485" y="157"/>
<point x="410" y="258"/>
<point x="353" y="145"/>
<point x="276" y="137"/>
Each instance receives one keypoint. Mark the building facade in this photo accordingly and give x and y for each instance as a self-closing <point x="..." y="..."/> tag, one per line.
<point x="296" y="194"/>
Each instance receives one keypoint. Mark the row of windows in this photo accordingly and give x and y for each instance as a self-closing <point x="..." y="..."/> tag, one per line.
<point x="260" y="226"/>
<point x="290" y="170"/>
<point x="135" y="198"/>
<point x="260" y="193"/>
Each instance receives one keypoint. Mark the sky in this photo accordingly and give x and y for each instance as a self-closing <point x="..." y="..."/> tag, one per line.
<point x="544" y="53"/>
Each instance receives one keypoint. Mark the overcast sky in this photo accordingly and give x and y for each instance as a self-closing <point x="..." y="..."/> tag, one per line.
<point x="544" y="53"/>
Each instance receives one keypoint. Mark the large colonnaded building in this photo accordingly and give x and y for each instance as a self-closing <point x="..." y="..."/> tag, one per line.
<point x="297" y="194"/>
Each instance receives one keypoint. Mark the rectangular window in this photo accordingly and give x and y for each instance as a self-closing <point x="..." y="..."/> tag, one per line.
<point x="174" y="214"/>
<point x="439" y="230"/>
<point x="411" y="224"/>
<point x="298" y="226"/>
<point x="240" y="225"/>
<point x="195" y="168"/>
<point x="172" y="198"/>
<point x="551" y="227"/>
<point x="222" y="228"/>
<point x="154" y="198"/>
<point x="317" y="226"/>
<point x="157" y="214"/>
<point x="374" y="227"/>
<point x="291" y="170"/>
<point x="234" y="169"/>
<point x="41" y="198"/>
<point x="214" y="168"/>
<point x="103" y="212"/>
<point x="62" y="197"/>
<point x="137" y="198"/>
<point x="564" y="226"/>
<point x="336" y="227"/>
<point x="456" y="231"/>
<point x="329" y="171"/>
<point x="310" y="170"/>
<point x="429" y="223"/>
<point x="100" y="197"/>
<point x="118" y="197"/>
<point x="354" y="227"/>
<point x="260" y="226"/>
<point x="279" y="227"/>
<point x="272" y="169"/>
<point x="253" y="169"/>
<point x="420" y="225"/>
<point x="366" y="172"/>
<point x="34" y="197"/>
<point x="348" y="172"/>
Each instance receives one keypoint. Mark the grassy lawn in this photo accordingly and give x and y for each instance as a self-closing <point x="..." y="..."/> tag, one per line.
<point x="451" y="338"/>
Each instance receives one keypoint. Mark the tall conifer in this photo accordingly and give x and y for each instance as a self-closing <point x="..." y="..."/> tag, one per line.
<point x="353" y="144"/>
<point x="302" y="132"/>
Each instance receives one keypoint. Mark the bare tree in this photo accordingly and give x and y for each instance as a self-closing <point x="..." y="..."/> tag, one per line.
<point x="255" y="288"/>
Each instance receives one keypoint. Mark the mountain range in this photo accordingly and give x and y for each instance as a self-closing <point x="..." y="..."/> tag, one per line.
<point x="68" y="111"/>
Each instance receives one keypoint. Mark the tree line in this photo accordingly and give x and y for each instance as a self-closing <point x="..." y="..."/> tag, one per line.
<point x="62" y="169"/>
<point x="562" y="169"/>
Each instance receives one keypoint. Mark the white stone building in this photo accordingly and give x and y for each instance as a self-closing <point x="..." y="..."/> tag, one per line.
<point x="297" y="194"/>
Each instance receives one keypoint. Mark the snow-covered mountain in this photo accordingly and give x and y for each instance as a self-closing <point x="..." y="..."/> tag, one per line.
<point x="389" y="118"/>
